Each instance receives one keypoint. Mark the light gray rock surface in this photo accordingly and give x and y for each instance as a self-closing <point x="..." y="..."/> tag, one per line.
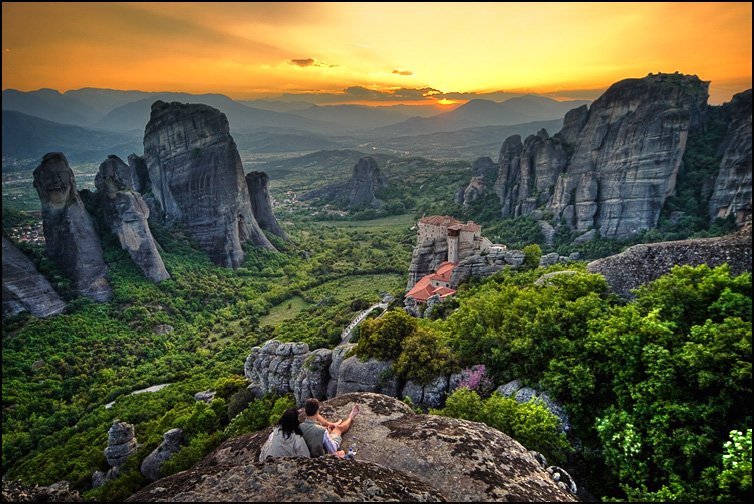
<point x="171" y="444"/>
<point x="126" y="213"/>
<point x="480" y="266"/>
<point x="641" y="264"/>
<point x="25" y="288"/>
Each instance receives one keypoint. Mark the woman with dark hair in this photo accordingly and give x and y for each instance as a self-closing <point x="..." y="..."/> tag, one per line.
<point x="285" y="439"/>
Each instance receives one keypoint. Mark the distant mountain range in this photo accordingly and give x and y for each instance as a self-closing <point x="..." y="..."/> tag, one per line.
<point x="29" y="137"/>
<point x="476" y="113"/>
<point x="87" y="124"/>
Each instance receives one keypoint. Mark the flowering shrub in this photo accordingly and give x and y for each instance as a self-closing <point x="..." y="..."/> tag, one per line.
<point x="475" y="378"/>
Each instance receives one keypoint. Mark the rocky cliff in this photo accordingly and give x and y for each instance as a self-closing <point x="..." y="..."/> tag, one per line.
<point x="426" y="257"/>
<point x="402" y="456"/>
<point x="358" y="191"/>
<point x="197" y="178"/>
<point x="644" y="263"/>
<point x="70" y="239"/>
<point x="612" y="165"/>
<point x="24" y="288"/>
<point x="732" y="192"/>
<point x="126" y="213"/>
<point x="261" y="203"/>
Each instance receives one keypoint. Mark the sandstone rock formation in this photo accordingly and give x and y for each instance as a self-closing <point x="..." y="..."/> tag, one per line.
<point x="197" y="178"/>
<point x="401" y="456"/>
<point x="150" y="466"/>
<point x="24" y="288"/>
<point x="138" y="178"/>
<point x="480" y="266"/>
<point x="426" y="257"/>
<point x="528" y="172"/>
<point x="121" y="444"/>
<point x="473" y="191"/>
<point x="644" y="263"/>
<point x="732" y="192"/>
<point x="70" y="239"/>
<point x="126" y="213"/>
<point x="261" y="203"/>
<point x="358" y="191"/>
<point x="612" y="165"/>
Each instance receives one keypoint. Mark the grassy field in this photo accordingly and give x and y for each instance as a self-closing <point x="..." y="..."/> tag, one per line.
<point x="360" y="286"/>
<point x="392" y="221"/>
<point x="284" y="311"/>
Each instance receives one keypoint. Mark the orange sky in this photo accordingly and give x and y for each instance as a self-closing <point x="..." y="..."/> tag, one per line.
<point x="249" y="50"/>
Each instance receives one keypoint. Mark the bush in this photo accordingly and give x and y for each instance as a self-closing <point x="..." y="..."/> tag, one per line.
<point x="531" y="424"/>
<point x="383" y="338"/>
<point x="423" y="358"/>
<point x="532" y="255"/>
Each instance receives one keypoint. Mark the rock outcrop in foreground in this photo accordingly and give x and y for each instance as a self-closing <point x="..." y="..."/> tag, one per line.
<point x="644" y="263"/>
<point x="126" y="213"/>
<point x="261" y="203"/>
<point x="25" y="288"/>
<point x="70" y="239"/>
<point x="358" y="191"/>
<point x="401" y="456"/>
<point x="197" y="178"/>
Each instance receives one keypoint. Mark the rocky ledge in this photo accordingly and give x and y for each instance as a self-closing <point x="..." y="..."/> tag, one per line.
<point x="644" y="263"/>
<point x="401" y="456"/>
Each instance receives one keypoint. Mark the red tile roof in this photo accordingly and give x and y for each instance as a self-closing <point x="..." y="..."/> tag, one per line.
<point x="423" y="289"/>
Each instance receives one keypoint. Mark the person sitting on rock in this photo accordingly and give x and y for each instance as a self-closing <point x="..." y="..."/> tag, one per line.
<point x="322" y="435"/>
<point x="286" y="438"/>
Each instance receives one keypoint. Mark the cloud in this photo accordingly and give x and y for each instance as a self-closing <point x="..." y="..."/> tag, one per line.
<point x="307" y="62"/>
<point x="403" y="72"/>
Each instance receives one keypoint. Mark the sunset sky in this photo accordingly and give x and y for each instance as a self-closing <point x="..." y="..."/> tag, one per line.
<point x="378" y="52"/>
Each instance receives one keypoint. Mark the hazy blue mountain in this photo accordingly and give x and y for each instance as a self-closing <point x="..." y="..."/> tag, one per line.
<point x="476" y="113"/>
<point x="101" y="101"/>
<point x="80" y="107"/>
<point x="48" y="104"/>
<point x="276" y="106"/>
<point x="135" y="115"/>
<point x="353" y="117"/>
<point x="29" y="137"/>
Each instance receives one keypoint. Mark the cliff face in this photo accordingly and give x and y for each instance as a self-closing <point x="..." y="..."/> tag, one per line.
<point x="358" y="191"/>
<point x="401" y="456"/>
<point x="426" y="258"/>
<point x="197" y="178"/>
<point x="126" y="213"/>
<point x="732" y="192"/>
<point x="261" y="203"/>
<point x="528" y="172"/>
<point x="70" y="239"/>
<point x="24" y="288"/>
<point x="612" y="165"/>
